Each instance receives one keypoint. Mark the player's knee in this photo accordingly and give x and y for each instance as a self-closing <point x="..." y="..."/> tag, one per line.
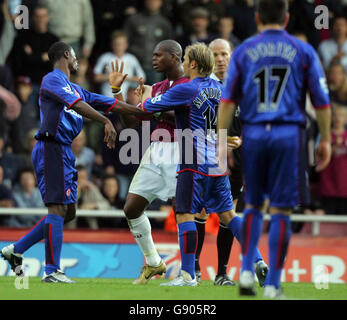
<point x="131" y="211"/>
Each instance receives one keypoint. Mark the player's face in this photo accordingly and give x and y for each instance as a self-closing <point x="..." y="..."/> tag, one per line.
<point x="186" y="65"/>
<point x="161" y="60"/>
<point x="73" y="62"/>
<point x="222" y="56"/>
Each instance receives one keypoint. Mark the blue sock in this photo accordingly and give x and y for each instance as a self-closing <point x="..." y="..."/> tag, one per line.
<point x="235" y="226"/>
<point x="252" y="223"/>
<point x="188" y="238"/>
<point x="279" y="236"/>
<point x="53" y="242"/>
<point x="33" y="236"/>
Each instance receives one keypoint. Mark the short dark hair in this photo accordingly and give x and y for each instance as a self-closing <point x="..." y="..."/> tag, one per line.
<point x="57" y="50"/>
<point x="272" y="11"/>
<point x="171" y="47"/>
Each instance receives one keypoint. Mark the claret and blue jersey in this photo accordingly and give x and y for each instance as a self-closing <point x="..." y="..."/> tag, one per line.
<point x="200" y="183"/>
<point x="53" y="159"/>
<point x="269" y="76"/>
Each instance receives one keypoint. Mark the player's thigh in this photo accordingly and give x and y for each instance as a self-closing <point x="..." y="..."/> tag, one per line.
<point x="287" y="179"/>
<point x="254" y="166"/>
<point x="135" y="205"/>
<point x="147" y="183"/>
<point x="217" y="194"/>
<point x="189" y="192"/>
<point x="55" y="172"/>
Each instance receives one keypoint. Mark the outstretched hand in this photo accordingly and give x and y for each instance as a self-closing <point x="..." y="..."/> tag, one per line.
<point x="110" y="135"/>
<point x="116" y="76"/>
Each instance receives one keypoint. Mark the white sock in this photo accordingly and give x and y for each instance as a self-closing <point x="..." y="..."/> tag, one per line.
<point x="141" y="230"/>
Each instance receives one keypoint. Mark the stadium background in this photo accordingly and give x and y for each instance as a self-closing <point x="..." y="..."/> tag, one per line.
<point x="135" y="27"/>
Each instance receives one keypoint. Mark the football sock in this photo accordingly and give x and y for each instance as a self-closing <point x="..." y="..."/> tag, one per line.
<point x="34" y="235"/>
<point x="235" y="226"/>
<point x="225" y="240"/>
<point x="188" y="242"/>
<point x="53" y="233"/>
<point x="142" y="232"/>
<point x="252" y="223"/>
<point x="200" y="227"/>
<point x="279" y="236"/>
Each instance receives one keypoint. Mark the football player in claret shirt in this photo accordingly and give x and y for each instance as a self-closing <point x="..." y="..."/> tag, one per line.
<point x="156" y="175"/>
<point x="63" y="105"/>
<point x="268" y="77"/>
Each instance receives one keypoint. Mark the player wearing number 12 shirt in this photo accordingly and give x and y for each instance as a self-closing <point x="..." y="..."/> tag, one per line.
<point x="200" y="183"/>
<point x="268" y="77"/>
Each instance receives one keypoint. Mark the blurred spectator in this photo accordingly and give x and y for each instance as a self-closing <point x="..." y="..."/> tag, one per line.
<point x="337" y="81"/>
<point x="6" y="196"/>
<point x="333" y="182"/>
<point x="28" y="118"/>
<point x="110" y="190"/>
<point x="215" y="9"/>
<point x="10" y="162"/>
<point x="132" y="67"/>
<point x="29" y="144"/>
<point x="107" y="15"/>
<point x="88" y="197"/>
<point x="7" y="32"/>
<point x="81" y="76"/>
<point x="335" y="49"/>
<point x="84" y="155"/>
<point x="145" y="29"/>
<point x="73" y="23"/>
<point x="243" y="12"/>
<point x="225" y="29"/>
<point x="29" y="56"/>
<point x="27" y="195"/>
<point x="199" y="19"/>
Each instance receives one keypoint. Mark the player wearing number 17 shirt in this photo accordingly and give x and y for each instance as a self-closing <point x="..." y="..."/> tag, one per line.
<point x="200" y="183"/>
<point x="268" y="77"/>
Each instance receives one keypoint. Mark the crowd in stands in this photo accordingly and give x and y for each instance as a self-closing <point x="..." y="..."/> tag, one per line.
<point x="102" y="30"/>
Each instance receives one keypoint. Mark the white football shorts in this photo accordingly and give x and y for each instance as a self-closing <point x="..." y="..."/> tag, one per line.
<point x="156" y="177"/>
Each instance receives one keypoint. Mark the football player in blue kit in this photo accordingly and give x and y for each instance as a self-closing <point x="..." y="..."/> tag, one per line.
<point x="63" y="105"/>
<point x="268" y="77"/>
<point x="200" y="183"/>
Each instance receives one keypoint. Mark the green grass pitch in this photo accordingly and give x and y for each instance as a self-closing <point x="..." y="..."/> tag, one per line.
<point x="123" y="289"/>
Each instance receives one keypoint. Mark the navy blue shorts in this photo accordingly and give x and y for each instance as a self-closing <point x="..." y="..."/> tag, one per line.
<point x="195" y="191"/>
<point x="274" y="164"/>
<point x="55" y="171"/>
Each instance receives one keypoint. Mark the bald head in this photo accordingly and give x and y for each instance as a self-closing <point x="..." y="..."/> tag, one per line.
<point x="218" y="43"/>
<point x="171" y="47"/>
<point x="222" y="50"/>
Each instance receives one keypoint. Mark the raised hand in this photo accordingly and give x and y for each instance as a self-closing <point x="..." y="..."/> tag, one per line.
<point x="116" y="76"/>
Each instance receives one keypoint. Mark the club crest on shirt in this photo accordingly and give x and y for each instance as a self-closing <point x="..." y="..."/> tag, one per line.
<point x="68" y="89"/>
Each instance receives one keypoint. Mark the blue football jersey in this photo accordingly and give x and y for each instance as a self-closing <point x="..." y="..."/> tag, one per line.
<point x="269" y="75"/>
<point x="58" y="121"/>
<point x="195" y="104"/>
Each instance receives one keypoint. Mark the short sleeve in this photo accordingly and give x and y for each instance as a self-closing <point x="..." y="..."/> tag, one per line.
<point x="231" y="90"/>
<point x="178" y="96"/>
<point x="57" y="89"/>
<point x="98" y="101"/>
<point x="317" y="83"/>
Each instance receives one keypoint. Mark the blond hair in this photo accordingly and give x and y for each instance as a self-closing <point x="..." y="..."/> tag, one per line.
<point x="203" y="56"/>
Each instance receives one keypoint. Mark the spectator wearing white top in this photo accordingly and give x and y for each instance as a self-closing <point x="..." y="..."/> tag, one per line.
<point x="132" y="67"/>
<point x="335" y="49"/>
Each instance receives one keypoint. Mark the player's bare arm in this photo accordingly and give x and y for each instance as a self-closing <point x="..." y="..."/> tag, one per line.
<point x="87" y="111"/>
<point x="225" y="114"/>
<point x="323" y="150"/>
